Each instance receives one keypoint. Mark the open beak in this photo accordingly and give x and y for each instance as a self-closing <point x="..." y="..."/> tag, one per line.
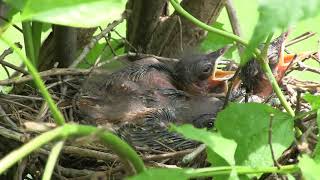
<point x="287" y="60"/>
<point x="218" y="80"/>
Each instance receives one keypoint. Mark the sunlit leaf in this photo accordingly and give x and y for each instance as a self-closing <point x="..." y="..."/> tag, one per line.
<point x="16" y="4"/>
<point x="313" y="100"/>
<point x="248" y="125"/>
<point x="77" y="13"/>
<point x="214" y="42"/>
<point x="223" y="147"/>
<point x="275" y="14"/>
<point x="309" y="168"/>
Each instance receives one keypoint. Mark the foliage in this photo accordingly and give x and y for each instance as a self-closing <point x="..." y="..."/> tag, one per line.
<point x="241" y="144"/>
<point x="77" y="13"/>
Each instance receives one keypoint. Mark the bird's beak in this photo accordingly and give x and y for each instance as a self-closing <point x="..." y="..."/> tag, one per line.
<point x="217" y="82"/>
<point x="287" y="59"/>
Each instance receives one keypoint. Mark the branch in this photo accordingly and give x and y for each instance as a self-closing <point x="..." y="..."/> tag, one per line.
<point x="44" y="74"/>
<point x="95" y="40"/>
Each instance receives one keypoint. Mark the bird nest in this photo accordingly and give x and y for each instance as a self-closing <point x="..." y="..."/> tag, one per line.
<point x="25" y="114"/>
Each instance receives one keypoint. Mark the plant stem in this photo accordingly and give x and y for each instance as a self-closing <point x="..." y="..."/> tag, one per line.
<point x="52" y="159"/>
<point x="122" y="149"/>
<point x="265" y="67"/>
<point x="28" y="41"/>
<point x="36" y="37"/>
<point x="27" y="148"/>
<point x="264" y="64"/>
<point x="204" y="26"/>
<point x="57" y="115"/>
<point x="212" y="171"/>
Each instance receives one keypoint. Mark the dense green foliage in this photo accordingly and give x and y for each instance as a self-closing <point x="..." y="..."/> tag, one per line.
<point x="239" y="146"/>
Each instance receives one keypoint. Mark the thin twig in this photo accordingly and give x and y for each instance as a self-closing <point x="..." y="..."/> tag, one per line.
<point x="275" y="162"/>
<point x="6" y="119"/>
<point x="298" y="102"/>
<point x="108" y="43"/>
<point x="4" y="63"/>
<point x="302" y="67"/>
<point x="15" y="26"/>
<point x="300" y="38"/>
<point x="95" y="40"/>
<point x="162" y="59"/>
<point x="44" y="74"/>
<point x="232" y="14"/>
<point x="189" y="157"/>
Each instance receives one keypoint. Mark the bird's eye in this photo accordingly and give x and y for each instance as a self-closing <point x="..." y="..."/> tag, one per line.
<point x="205" y="71"/>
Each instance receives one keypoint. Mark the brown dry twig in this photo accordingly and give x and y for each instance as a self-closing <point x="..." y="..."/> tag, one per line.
<point x="44" y="74"/>
<point x="7" y="64"/>
<point x="96" y="38"/>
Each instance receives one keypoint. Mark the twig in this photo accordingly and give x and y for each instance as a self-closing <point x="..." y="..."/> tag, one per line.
<point x="162" y="59"/>
<point x="19" y="104"/>
<point x="232" y="14"/>
<point x="126" y="41"/>
<point x="108" y="43"/>
<point x="298" y="102"/>
<point x="44" y="74"/>
<point x="270" y="142"/>
<point x="189" y="157"/>
<point x="303" y="67"/>
<point x="13" y="135"/>
<point x="300" y="38"/>
<point x="18" y="69"/>
<point x="4" y="63"/>
<point x="6" y="119"/>
<point x="34" y="98"/>
<point x="15" y="26"/>
<point x="95" y="40"/>
<point x="166" y="155"/>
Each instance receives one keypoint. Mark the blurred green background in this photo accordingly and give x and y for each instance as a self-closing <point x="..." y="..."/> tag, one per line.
<point x="248" y="17"/>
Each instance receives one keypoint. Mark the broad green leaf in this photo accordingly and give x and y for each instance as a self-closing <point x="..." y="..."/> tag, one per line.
<point x="16" y="4"/>
<point x="214" y="42"/>
<point x="223" y="147"/>
<point x="77" y="13"/>
<point x="275" y="14"/>
<point x="313" y="100"/>
<point x="316" y="152"/>
<point x="309" y="168"/>
<point x="248" y="125"/>
<point x="161" y="174"/>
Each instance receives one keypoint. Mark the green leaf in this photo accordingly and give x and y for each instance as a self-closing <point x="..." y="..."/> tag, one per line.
<point x="16" y="4"/>
<point x="77" y="13"/>
<point x="103" y="51"/>
<point x="223" y="147"/>
<point x="316" y="152"/>
<point x="161" y="174"/>
<point x="275" y="14"/>
<point x="313" y="100"/>
<point x="248" y="125"/>
<point x="214" y="42"/>
<point x="309" y="168"/>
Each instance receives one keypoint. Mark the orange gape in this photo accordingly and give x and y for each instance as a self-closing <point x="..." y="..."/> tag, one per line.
<point x="286" y="60"/>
